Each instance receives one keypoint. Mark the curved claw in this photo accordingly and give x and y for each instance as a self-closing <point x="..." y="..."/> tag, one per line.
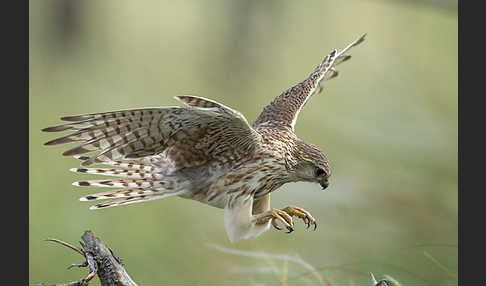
<point x="315" y="225"/>
<point x="302" y="214"/>
<point x="283" y="217"/>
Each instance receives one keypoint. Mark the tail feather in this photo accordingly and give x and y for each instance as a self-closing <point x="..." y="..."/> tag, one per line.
<point x="125" y="193"/>
<point x="132" y="200"/>
<point x="123" y="183"/>
<point x="141" y="184"/>
<point x="124" y="173"/>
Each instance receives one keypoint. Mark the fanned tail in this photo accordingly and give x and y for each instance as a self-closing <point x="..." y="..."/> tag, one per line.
<point x="139" y="183"/>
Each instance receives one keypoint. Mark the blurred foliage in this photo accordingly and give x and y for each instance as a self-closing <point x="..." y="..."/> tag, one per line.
<point x="388" y="124"/>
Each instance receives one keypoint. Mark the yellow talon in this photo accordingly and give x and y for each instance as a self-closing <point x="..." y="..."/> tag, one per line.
<point x="302" y="214"/>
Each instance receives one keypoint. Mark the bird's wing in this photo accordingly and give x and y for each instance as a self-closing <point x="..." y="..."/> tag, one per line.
<point x="284" y="109"/>
<point x="188" y="136"/>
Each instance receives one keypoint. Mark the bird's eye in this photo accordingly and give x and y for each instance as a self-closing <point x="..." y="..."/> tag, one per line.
<point x="320" y="172"/>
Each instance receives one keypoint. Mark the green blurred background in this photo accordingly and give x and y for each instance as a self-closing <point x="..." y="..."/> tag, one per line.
<point x="388" y="124"/>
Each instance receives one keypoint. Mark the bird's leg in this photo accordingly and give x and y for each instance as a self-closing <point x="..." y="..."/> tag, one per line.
<point x="302" y="214"/>
<point x="240" y="221"/>
<point x="249" y="217"/>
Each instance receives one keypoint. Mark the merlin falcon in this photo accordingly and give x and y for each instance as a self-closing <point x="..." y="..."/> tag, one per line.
<point x="205" y="151"/>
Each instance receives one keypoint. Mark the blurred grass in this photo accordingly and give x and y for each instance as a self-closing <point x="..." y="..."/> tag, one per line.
<point x="388" y="124"/>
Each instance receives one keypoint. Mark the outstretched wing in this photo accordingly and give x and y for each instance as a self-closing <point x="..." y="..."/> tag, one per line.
<point x="186" y="136"/>
<point x="284" y="109"/>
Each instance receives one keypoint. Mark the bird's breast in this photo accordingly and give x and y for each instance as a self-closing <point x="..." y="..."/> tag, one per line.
<point x="257" y="175"/>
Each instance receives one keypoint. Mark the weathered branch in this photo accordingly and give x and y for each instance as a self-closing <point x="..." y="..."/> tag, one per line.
<point x="101" y="261"/>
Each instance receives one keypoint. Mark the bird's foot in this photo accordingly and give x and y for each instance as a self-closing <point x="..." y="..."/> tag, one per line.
<point x="302" y="214"/>
<point x="276" y="215"/>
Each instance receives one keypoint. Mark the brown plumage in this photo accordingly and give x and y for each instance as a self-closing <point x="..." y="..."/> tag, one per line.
<point x="205" y="151"/>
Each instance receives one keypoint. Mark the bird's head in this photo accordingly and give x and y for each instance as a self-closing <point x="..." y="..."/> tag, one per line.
<point x="311" y="165"/>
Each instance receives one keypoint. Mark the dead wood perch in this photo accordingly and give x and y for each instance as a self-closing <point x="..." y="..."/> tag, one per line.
<point x="101" y="261"/>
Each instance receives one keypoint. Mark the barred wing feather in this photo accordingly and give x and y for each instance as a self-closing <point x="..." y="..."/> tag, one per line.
<point x="188" y="136"/>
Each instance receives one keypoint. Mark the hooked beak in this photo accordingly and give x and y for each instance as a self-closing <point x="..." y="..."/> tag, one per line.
<point x="324" y="184"/>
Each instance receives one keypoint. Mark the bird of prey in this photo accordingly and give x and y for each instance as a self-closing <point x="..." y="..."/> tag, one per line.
<point x="205" y="151"/>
